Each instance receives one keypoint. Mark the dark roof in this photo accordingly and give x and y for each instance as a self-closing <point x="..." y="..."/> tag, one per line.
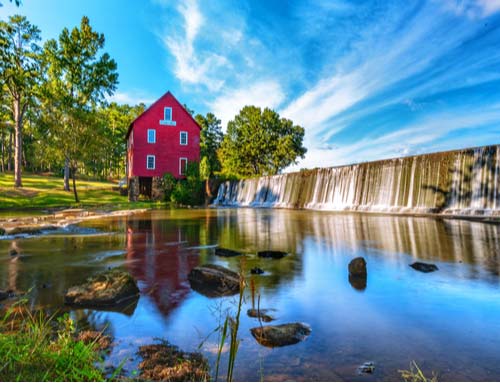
<point x="153" y="104"/>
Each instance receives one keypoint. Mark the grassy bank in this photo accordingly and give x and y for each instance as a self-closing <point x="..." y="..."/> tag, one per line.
<point x="47" y="192"/>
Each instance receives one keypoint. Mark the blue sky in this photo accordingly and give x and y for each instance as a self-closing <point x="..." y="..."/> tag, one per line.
<point x="366" y="79"/>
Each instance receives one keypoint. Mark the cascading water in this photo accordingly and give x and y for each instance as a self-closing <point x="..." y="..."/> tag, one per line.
<point x="461" y="182"/>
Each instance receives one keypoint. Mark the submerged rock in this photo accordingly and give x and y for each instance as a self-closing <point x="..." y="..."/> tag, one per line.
<point x="357" y="267"/>
<point x="424" y="267"/>
<point x="358" y="282"/>
<point x="2" y="231"/>
<point x="263" y="314"/>
<point x="282" y="335"/>
<point x="274" y="254"/>
<point x="30" y="230"/>
<point x="13" y="252"/>
<point x="256" y="270"/>
<point x="101" y="341"/>
<point x="221" y="252"/>
<point x="6" y="294"/>
<point x="111" y="288"/>
<point x="214" y="281"/>
<point x="165" y="362"/>
<point x="366" y="368"/>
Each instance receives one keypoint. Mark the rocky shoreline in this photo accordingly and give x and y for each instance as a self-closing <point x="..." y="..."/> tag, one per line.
<point x="37" y="224"/>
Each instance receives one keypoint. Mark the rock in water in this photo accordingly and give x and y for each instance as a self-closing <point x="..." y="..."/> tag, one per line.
<point x="358" y="282"/>
<point x="256" y="270"/>
<point x="366" y="368"/>
<point x="282" y="335"/>
<point x="107" y="289"/>
<point x="214" y="281"/>
<point x="166" y="363"/>
<point x="221" y="252"/>
<point x="357" y="267"/>
<point x="263" y="314"/>
<point x="271" y="254"/>
<point x="424" y="267"/>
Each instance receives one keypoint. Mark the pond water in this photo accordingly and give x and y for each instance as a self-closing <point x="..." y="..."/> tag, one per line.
<point x="447" y="321"/>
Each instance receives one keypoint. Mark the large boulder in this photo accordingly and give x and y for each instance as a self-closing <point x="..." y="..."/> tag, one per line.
<point x="424" y="267"/>
<point x="357" y="267"/>
<point x="214" y="281"/>
<point x="111" y="288"/>
<point x="282" y="335"/>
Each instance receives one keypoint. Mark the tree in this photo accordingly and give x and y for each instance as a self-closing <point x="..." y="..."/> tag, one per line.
<point x="77" y="83"/>
<point x="20" y="72"/>
<point x="210" y="140"/>
<point x="260" y="143"/>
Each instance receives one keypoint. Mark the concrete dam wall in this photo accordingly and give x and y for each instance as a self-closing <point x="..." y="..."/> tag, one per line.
<point x="459" y="182"/>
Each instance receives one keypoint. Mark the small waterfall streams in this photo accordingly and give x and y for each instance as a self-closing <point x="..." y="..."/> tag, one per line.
<point x="461" y="182"/>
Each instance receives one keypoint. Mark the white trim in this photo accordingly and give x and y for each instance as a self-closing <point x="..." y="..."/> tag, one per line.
<point x="147" y="161"/>
<point x="170" y="121"/>
<point x="180" y="138"/>
<point x="180" y="165"/>
<point x="154" y="136"/>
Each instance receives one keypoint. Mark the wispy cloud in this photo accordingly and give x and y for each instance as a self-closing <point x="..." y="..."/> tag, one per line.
<point x="192" y="67"/>
<point x="266" y="93"/>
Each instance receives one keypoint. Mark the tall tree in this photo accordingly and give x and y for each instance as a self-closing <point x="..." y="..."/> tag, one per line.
<point x="210" y="141"/>
<point x="20" y="72"/>
<point x="259" y="142"/>
<point x="78" y="79"/>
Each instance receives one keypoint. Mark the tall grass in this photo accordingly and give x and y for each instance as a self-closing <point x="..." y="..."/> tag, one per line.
<point x="415" y="374"/>
<point x="39" y="347"/>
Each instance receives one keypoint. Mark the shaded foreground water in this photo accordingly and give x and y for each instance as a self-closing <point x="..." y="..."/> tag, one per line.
<point x="447" y="321"/>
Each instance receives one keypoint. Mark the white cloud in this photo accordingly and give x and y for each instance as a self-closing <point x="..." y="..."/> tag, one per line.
<point x="264" y="93"/>
<point x="411" y="139"/>
<point x="474" y="9"/>
<point x="130" y="98"/>
<point x="192" y="67"/>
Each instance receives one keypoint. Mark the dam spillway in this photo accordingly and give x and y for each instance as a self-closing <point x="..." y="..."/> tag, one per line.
<point x="460" y="182"/>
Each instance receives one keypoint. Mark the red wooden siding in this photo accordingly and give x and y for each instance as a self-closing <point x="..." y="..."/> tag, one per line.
<point x="167" y="149"/>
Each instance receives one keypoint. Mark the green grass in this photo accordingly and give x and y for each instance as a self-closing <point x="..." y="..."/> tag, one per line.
<point x="36" y="347"/>
<point x="43" y="192"/>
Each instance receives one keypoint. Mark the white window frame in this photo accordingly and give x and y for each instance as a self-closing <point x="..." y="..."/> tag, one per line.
<point x="154" y="136"/>
<point x="181" y="159"/>
<point x="170" y="121"/>
<point x="180" y="138"/>
<point x="147" y="161"/>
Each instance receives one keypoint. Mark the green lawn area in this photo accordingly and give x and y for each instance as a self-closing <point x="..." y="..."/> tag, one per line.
<point x="42" y="191"/>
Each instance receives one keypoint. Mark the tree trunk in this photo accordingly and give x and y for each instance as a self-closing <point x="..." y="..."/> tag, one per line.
<point x="18" y="144"/>
<point x="73" y="175"/>
<point x="66" y="174"/>
<point x="9" y="158"/>
<point x="3" y="151"/>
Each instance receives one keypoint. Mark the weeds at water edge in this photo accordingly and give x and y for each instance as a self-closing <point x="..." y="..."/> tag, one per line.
<point x="415" y="374"/>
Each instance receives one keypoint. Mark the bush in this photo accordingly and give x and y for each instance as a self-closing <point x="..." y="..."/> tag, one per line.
<point x="169" y="183"/>
<point x="189" y="191"/>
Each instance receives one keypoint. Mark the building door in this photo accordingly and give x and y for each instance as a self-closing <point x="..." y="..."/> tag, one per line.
<point x="145" y="186"/>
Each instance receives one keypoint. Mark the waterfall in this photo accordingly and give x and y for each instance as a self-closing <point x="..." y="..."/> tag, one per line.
<point x="460" y="182"/>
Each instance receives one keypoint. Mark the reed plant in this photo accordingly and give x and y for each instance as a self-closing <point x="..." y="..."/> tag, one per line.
<point x="35" y="346"/>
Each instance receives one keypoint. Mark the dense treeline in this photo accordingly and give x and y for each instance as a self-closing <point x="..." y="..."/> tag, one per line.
<point x="55" y="117"/>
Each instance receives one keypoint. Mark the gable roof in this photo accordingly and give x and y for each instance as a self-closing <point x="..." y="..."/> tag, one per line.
<point x="152" y="105"/>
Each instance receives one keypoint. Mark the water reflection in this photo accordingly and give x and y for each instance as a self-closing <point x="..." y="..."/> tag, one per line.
<point x="352" y="321"/>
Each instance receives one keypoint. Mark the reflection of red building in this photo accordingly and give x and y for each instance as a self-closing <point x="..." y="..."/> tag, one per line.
<point x="159" y="261"/>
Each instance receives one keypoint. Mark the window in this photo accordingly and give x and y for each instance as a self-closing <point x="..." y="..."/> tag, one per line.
<point x="167" y="113"/>
<point x="183" y="161"/>
<point x="150" y="162"/>
<point x="184" y="138"/>
<point x="167" y="117"/>
<point x="151" y="136"/>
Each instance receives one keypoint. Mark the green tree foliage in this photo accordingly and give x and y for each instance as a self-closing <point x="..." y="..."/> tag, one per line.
<point x="20" y="73"/>
<point x="210" y="140"/>
<point x="260" y="143"/>
<point x="189" y="191"/>
<point x="77" y="82"/>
